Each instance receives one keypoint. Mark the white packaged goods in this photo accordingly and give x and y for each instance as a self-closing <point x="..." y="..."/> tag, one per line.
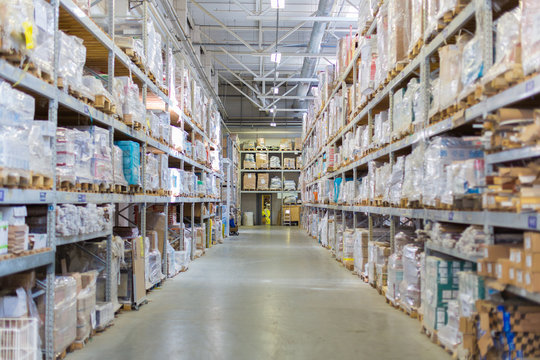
<point x="155" y="57"/>
<point x="86" y="303"/>
<point x="396" y="180"/>
<point x="471" y="289"/>
<point x="399" y="31"/>
<point x="289" y="185"/>
<point x="104" y="314"/>
<point x="177" y="138"/>
<point x="164" y="178"/>
<point x="153" y="124"/>
<point x="118" y="171"/>
<point x="16" y="116"/>
<point x="40" y="142"/>
<point x="507" y="44"/>
<point x="323" y="230"/>
<point x="73" y="156"/>
<point x="463" y="177"/>
<point x="449" y="334"/>
<point x="152" y="263"/>
<point x="43" y="53"/>
<point x="65" y="312"/>
<point x="451" y="57"/>
<point x="414" y="175"/>
<point x="361" y="237"/>
<point x="72" y="57"/>
<point x="101" y="158"/>
<point x="275" y="162"/>
<point x="382" y="45"/>
<point x="74" y="220"/>
<point x="275" y="183"/>
<point x="151" y="174"/>
<point x="395" y="277"/>
<point x="472" y="64"/>
<point x="16" y="17"/>
<point x="530" y="36"/>
<point x="409" y="289"/>
<point x="133" y="110"/>
<point x="440" y="153"/>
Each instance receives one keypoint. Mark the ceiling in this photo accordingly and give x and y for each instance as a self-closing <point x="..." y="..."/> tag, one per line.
<point x="239" y="37"/>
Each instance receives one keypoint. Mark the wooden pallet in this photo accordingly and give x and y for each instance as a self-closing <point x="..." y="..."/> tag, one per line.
<point x="78" y="345"/>
<point x="128" y="120"/>
<point x="135" y="189"/>
<point x="133" y="306"/>
<point x="79" y="96"/>
<point x="413" y="313"/>
<point x="102" y="103"/>
<point x="23" y="253"/>
<point x="502" y="82"/>
<point x="12" y="178"/>
<point x="416" y="49"/>
<point x="62" y="355"/>
<point x="41" y="182"/>
<point x="120" y="189"/>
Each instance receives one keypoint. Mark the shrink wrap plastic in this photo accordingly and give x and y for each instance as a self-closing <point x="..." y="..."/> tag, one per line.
<point x="463" y="177"/>
<point x="471" y="289"/>
<point x="417" y="9"/>
<point x="275" y="183"/>
<point x="152" y="264"/>
<point x="274" y="162"/>
<point x="77" y="220"/>
<point x="439" y="154"/>
<point x="449" y="334"/>
<point x="396" y="180"/>
<point x="530" y="36"/>
<point x="86" y="305"/>
<point x="289" y="185"/>
<point x="451" y="57"/>
<point x="101" y="170"/>
<point x="65" y="312"/>
<point x="131" y="161"/>
<point x="128" y="95"/>
<point x="395" y="277"/>
<point x="155" y="58"/>
<point x="71" y="60"/>
<point x="177" y="138"/>
<point x="17" y="16"/>
<point x="414" y="175"/>
<point x="361" y="237"/>
<point x="323" y="230"/>
<point x="119" y="178"/>
<point x="381" y="180"/>
<point x="16" y="116"/>
<point x="199" y="151"/>
<point x="432" y="10"/>
<point x="507" y="44"/>
<point x="164" y="177"/>
<point x="368" y="65"/>
<point x="152" y="124"/>
<point x="40" y="140"/>
<point x="472" y="64"/>
<point x="409" y="288"/>
<point x="381" y="131"/>
<point x="399" y="17"/>
<point x="434" y="99"/>
<point x="74" y="154"/>
<point x="382" y="45"/>
<point x="151" y="174"/>
<point x="43" y="53"/>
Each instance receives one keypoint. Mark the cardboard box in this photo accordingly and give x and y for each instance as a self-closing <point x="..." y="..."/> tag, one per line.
<point x="289" y="163"/>
<point x="532" y="281"/>
<point x="250" y="165"/>
<point x="263" y="181"/>
<point x="250" y="181"/>
<point x="260" y="142"/>
<point x="502" y="270"/>
<point x="517" y="257"/>
<point x="298" y="144"/>
<point x="261" y="161"/>
<point x="139" y="289"/>
<point x="285" y="144"/>
<point x="532" y="262"/>
<point x="294" y="211"/>
<point x="298" y="162"/>
<point x="467" y="325"/>
<point x="531" y="241"/>
<point x="520" y="278"/>
<point x="495" y="252"/>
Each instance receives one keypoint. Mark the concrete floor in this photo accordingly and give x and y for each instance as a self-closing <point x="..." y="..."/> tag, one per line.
<point x="270" y="293"/>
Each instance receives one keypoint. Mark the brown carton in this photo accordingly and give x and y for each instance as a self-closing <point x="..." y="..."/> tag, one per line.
<point x="531" y="241"/>
<point x="532" y="281"/>
<point x="285" y="144"/>
<point x="250" y="181"/>
<point x="502" y="270"/>
<point x="532" y="262"/>
<point x="260" y="142"/>
<point x="297" y="144"/>
<point x="262" y="161"/>
<point x="495" y="252"/>
<point x="263" y="181"/>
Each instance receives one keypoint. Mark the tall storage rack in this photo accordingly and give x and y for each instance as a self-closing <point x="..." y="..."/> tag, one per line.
<point x="106" y="55"/>
<point x="282" y="172"/>
<point x="479" y="12"/>
<point x="230" y="190"/>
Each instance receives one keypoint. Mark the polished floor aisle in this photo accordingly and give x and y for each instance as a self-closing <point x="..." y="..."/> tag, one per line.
<point x="270" y="293"/>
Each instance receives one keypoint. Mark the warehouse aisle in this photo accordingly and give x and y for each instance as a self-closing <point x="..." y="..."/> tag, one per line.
<point x="271" y="293"/>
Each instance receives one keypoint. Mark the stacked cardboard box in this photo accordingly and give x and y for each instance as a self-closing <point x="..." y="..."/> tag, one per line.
<point x="250" y="181"/>
<point x="261" y="160"/>
<point x="263" y="181"/>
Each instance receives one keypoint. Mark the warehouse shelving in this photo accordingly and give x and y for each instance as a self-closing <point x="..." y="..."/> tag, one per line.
<point x="480" y="11"/>
<point x="94" y="35"/>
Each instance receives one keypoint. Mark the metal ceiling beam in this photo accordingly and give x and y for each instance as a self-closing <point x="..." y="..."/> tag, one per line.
<point x="287" y="79"/>
<point x="285" y="110"/>
<point x="279" y="98"/>
<point x="284" y="97"/>
<point x="314" y="46"/>
<point x="241" y="6"/>
<point x="283" y="54"/>
<point x="223" y="25"/>
<point x="241" y="92"/>
<point x="266" y="28"/>
<point x="238" y="77"/>
<point x="303" y="18"/>
<point x="286" y="35"/>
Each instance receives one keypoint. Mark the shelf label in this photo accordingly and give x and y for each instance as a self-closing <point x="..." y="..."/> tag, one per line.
<point x="529" y="85"/>
<point x="42" y="196"/>
<point x="86" y="110"/>
<point x="531" y="222"/>
<point x="81" y="198"/>
<point x="1" y="195"/>
<point x="451" y="215"/>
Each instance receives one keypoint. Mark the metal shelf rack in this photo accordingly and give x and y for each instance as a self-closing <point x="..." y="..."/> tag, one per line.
<point x="115" y="62"/>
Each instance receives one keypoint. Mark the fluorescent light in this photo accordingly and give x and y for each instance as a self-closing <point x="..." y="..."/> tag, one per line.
<point x="276" y="90"/>
<point x="271" y="110"/>
<point x="273" y="124"/>
<point x="275" y="57"/>
<point x="277" y="4"/>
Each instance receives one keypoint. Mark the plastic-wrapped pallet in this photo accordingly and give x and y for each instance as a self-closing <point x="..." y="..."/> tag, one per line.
<point x="409" y="289"/>
<point x="177" y="138"/>
<point x="507" y="44"/>
<point x="414" y="175"/>
<point x="40" y="141"/>
<point x="449" y="334"/>
<point x="463" y="177"/>
<point x="396" y="180"/>
<point x="471" y="289"/>
<point x="152" y="124"/>
<point x="72" y="57"/>
<point x="118" y="171"/>
<point x="275" y="183"/>
<point x="361" y="237"/>
<point x="451" y="57"/>
<point x="399" y="30"/>
<point x="133" y="109"/>
<point x="42" y="55"/>
<point x="348" y="247"/>
<point x="15" y="16"/>
<point x="163" y="166"/>
<point x="289" y="185"/>
<point x="155" y="58"/>
<point x="131" y="161"/>
<point x="368" y="66"/>
<point x="275" y="162"/>
<point x="431" y="9"/>
<point x="440" y="153"/>
<point x="65" y="312"/>
<point x="152" y="172"/>
<point x="395" y="277"/>
<point x="17" y="113"/>
<point x="101" y="155"/>
<point x="382" y="67"/>
<point x="86" y="303"/>
<point x="323" y="230"/>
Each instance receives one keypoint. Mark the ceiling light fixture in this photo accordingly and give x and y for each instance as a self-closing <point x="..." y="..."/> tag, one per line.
<point x="276" y="90"/>
<point x="273" y="124"/>
<point x="277" y="4"/>
<point x="275" y="57"/>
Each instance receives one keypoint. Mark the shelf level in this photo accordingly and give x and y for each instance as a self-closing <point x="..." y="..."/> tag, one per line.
<point x="24" y="263"/>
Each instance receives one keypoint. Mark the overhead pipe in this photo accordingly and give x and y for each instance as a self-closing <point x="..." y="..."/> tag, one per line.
<point x="314" y="46"/>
